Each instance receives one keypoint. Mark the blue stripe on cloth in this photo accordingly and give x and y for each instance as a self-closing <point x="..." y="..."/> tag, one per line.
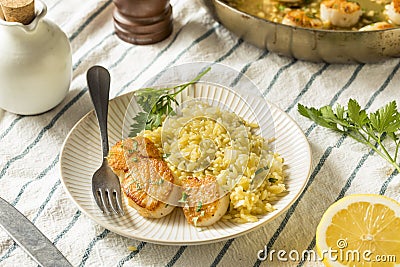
<point x="9" y="251"/>
<point x="222" y="252"/>
<point x="246" y="67"/>
<point x="218" y="60"/>
<point x="196" y="41"/>
<point x="336" y="96"/>
<point x="383" y="86"/>
<point x="39" y="177"/>
<point x="131" y="255"/>
<point x="353" y="175"/>
<point x="201" y="38"/>
<point x="308" y="85"/>
<point x="9" y="128"/>
<point x="152" y="62"/>
<point x="277" y="75"/>
<point x="327" y="152"/>
<point x="227" y="54"/>
<point x="176" y="257"/>
<point x="387" y="182"/>
<point x="89" y="20"/>
<point x="82" y="58"/>
<point x="310" y="246"/>
<point x="49" y="196"/>
<point x="41" y="133"/>
<point x="69" y="226"/>
<point x="92" y="243"/>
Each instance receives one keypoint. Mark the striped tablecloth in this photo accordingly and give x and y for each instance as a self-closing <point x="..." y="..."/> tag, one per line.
<point x="30" y="145"/>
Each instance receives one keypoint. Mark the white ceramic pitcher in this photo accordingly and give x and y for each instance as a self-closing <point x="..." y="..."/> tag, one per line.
<point x="35" y="64"/>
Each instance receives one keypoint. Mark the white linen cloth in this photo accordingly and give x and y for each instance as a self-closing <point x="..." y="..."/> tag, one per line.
<point x="30" y="145"/>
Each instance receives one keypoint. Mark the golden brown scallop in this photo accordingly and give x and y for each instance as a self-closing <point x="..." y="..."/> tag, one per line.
<point x="140" y="147"/>
<point x="148" y="186"/>
<point x="300" y="18"/>
<point x="145" y="178"/>
<point x="201" y="213"/>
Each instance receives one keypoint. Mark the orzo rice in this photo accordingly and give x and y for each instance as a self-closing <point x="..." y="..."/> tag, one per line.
<point x="205" y="140"/>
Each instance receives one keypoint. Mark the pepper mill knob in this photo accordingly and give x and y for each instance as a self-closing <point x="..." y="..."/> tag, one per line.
<point x="142" y="21"/>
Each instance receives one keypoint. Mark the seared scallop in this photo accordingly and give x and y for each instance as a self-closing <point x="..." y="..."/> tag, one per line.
<point x="139" y="147"/>
<point x="302" y="19"/>
<point x="393" y="11"/>
<point x="145" y="178"/>
<point x="340" y="13"/>
<point x="148" y="187"/>
<point x="377" y="26"/>
<point x="208" y="206"/>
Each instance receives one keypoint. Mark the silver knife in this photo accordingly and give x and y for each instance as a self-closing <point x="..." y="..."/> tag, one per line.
<point x="29" y="238"/>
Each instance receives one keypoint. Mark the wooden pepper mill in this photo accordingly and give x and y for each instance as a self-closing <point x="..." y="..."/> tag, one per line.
<point x="142" y="21"/>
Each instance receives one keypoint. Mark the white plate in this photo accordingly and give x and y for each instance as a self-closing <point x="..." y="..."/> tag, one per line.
<point x="81" y="156"/>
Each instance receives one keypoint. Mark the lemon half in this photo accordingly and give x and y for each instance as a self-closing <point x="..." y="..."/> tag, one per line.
<point x="360" y="230"/>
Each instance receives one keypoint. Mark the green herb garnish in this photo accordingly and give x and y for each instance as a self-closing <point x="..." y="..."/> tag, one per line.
<point x="199" y="205"/>
<point x="369" y="129"/>
<point x="135" y="145"/>
<point x="156" y="104"/>
<point x="183" y="198"/>
<point x="272" y="180"/>
<point x="166" y="155"/>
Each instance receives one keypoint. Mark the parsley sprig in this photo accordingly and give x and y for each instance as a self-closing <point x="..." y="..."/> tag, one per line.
<point x="156" y="104"/>
<point x="369" y="129"/>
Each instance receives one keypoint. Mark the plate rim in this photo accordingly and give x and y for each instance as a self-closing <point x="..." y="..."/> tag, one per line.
<point x="188" y="242"/>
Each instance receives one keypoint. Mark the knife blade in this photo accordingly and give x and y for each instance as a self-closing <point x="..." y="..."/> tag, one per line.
<point x="30" y="238"/>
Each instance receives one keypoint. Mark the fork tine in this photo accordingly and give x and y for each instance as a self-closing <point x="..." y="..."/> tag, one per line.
<point x="112" y="200"/>
<point x="97" y="198"/>
<point x="104" y="201"/>
<point x="119" y="204"/>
